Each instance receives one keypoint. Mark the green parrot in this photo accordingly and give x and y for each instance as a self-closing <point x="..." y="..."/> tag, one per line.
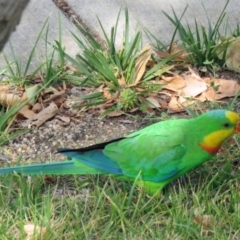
<point x="155" y="155"/>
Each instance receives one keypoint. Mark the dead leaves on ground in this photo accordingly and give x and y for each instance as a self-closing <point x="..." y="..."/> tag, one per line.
<point x="188" y="88"/>
<point x="178" y="91"/>
<point x="34" y="231"/>
<point x="231" y="46"/>
<point x="207" y="224"/>
<point x="49" y="103"/>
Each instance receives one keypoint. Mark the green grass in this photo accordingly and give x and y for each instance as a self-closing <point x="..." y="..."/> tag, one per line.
<point x="199" y="42"/>
<point x="103" y="208"/>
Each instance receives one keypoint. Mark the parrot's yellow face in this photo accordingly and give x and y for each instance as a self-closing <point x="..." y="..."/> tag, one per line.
<point x="212" y="142"/>
<point x="235" y="119"/>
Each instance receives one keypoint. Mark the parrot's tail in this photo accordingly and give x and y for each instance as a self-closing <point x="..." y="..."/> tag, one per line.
<point x="57" y="168"/>
<point x="89" y="162"/>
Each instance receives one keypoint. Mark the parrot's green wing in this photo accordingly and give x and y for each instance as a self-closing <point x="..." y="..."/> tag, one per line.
<point x="156" y="157"/>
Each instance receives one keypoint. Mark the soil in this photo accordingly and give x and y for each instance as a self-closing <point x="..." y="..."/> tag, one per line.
<point x="85" y="129"/>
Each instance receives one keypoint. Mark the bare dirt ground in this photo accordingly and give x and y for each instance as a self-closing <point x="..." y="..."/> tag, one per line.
<point x="40" y="144"/>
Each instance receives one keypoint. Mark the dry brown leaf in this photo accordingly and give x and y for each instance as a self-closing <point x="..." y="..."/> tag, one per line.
<point x="9" y="99"/>
<point x="44" y="115"/>
<point x="69" y="103"/>
<point x="192" y="86"/>
<point x="49" y="90"/>
<point x="180" y="52"/>
<point x="141" y="62"/>
<point x="174" y="83"/>
<point x="109" y="103"/>
<point x="71" y="67"/>
<point x="152" y="102"/>
<point x="34" y="232"/>
<point x="122" y="80"/>
<point x="106" y="93"/>
<point x="232" y="58"/>
<point x="163" y="103"/>
<point x="139" y="89"/>
<point x="114" y="114"/>
<point x="134" y="109"/>
<point x="64" y="118"/>
<point x="206" y="222"/>
<point x="54" y="95"/>
<point x="233" y="54"/>
<point x="3" y="88"/>
<point x="26" y="112"/>
<point x="207" y="95"/>
<point x="37" y="78"/>
<point x="195" y="85"/>
<point x="174" y="104"/>
<point x="225" y="88"/>
<point x="37" y="107"/>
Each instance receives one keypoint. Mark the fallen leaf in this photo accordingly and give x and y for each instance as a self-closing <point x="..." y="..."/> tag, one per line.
<point x="54" y="95"/>
<point x="49" y="90"/>
<point x="163" y="103"/>
<point x="64" y="118"/>
<point x="232" y="57"/>
<point x="174" y="104"/>
<point x="37" y="78"/>
<point x="227" y="88"/>
<point x="26" y="112"/>
<point x="141" y="62"/>
<point x="195" y="85"/>
<point x="34" y="232"/>
<point x="206" y="222"/>
<point x="134" y="109"/>
<point x="174" y="83"/>
<point x="106" y="93"/>
<point x="32" y="93"/>
<point x="37" y="107"/>
<point x="4" y="88"/>
<point x="207" y="95"/>
<point x="180" y="52"/>
<point x="9" y="99"/>
<point x="224" y="88"/>
<point x="114" y="114"/>
<point x="44" y="115"/>
<point x="108" y="104"/>
<point x="122" y="80"/>
<point x="152" y="102"/>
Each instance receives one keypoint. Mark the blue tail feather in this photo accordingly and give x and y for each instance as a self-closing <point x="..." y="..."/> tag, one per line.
<point x="90" y="162"/>
<point x="48" y="168"/>
<point x="95" y="159"/>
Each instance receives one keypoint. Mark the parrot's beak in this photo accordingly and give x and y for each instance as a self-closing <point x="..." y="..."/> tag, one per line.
<point x="237" y="128"/>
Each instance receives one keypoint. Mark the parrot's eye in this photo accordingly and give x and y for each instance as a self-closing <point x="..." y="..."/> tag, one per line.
<point x="226" y="125"/>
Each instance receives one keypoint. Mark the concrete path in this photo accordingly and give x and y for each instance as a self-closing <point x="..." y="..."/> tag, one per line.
<point x="32" y="21"/>
<point x="148" y="13"/>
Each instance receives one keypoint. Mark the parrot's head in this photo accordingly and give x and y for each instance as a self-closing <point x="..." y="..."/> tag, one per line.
<point x="219" y="125"/>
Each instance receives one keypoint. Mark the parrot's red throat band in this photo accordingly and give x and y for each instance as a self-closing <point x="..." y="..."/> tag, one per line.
<point x="237" y="128"/>
<point x="211" y="150"/>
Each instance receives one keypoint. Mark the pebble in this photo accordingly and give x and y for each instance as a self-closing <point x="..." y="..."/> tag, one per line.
<point x="81" y="132"/>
